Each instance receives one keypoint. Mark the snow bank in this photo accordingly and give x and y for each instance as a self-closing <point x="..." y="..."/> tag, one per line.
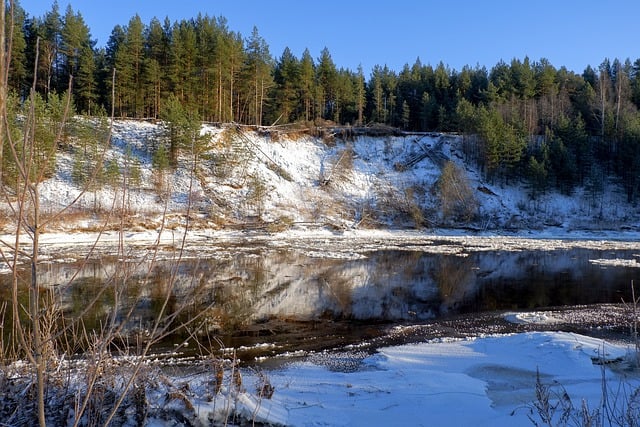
<point x="486" y="381"/>
<point x="308" y="181"/>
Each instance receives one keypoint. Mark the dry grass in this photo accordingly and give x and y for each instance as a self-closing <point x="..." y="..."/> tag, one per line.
<point x="5" y="222"/>
<point x="153" y="395"/>
<point x="281" y="224"/>
<point x="226" y="138"/>
<point x="90" y="221"/>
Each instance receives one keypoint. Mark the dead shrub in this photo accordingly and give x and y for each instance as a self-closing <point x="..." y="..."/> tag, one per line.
<point x="225" y="138"/>
<point x="457" y="198"/>
<point x="282" y="223"/>
<point x="264" y="388"/>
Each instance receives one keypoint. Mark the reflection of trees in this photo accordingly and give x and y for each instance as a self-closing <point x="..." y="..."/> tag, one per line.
<point x="86" y="289"/>
<point x="455" y="277"/>
<point x="338" y="288"/>
<point x="239" y="291"/>
<point x="234" y="292"/>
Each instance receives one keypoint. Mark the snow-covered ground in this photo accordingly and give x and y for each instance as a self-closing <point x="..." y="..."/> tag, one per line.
<point x="488" y="380"/>
<point x="365" y="182"/>
<point x="483" y="381"/>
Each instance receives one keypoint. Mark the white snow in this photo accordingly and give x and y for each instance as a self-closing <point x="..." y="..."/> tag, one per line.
<point x="365" y="184"/>
<point x="485" y="381"/>
<point x="537" y="317"/>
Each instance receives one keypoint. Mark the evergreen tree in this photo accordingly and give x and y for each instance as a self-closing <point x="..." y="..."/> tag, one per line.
<point x="327" y="78"/>
<point x="183" y="63"/>
<point x="206" y="42"/>
<point x="406" y="115"/>
<point x="288" y="86"/>
<point x="635" y="83"/>
<point x="500" y="78"/>
<point x="629" y="159"/>
<point x="183" y="126"/>
<point x="258" y="72"/>
<point x="16" y="38"/>
<point x="563" y="166"/>
<point x="573" y="135"/>
<point x="428" y="109"/>
<point x="129" y="58"/>
<point x="546" y="92"/>
<point x="114" y="45"/>
<point x="361" y="95"/>
<point x="345" y="111"/>
<point x="45" y="33"/>
<point x="382" y="86"/>
<point x="156" y="66"/>
<point x="442" y="93"/>
<point x="78" y="58"/>
<point x="111" y="173"/>
<point x="537" y="176"/>
<point x="307" y="84"/>
<point x="233" y="57"/>
<point x="40" y="146"/>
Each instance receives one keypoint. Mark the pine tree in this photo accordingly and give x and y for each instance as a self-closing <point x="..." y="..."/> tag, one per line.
<point x="15" y="37"/>
<point x="258" y="72"/>
<point x="129" y="58"/>
<point x="232" y="59"/>
<point x="288" y="85"/>
<point x="307" y="84"/>
<point x="156" y="66"/>
<point x="547" y="90"/>
<point x="361" y="95"/>
<point x="376" y="89"/>
<point x="428" y="109"/>
<point x="183" y="125"/>
<point x="406" y="114"/>
<point x="49" y="31"/>
<point x="78" y="58"/>
<point x="327" y="78"/>
<point x="183" y="62"/>
<point x="538" y="178"/>
<point x="442" y="88"/>
<point x="113" y="50"/>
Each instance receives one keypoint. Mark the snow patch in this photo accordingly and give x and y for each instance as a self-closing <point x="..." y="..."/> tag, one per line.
<point x="535" y="317"/>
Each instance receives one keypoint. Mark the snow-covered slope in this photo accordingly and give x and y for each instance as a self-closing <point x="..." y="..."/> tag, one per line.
<point x="247" y="176"/>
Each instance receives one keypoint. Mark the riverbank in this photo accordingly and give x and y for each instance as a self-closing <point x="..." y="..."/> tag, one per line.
<point x="324" y="242"/>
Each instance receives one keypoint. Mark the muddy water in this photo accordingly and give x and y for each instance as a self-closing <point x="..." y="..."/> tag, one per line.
<point x="270" y="301"/>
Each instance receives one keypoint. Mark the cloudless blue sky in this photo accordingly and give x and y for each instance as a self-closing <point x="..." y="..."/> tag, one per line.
<point x="569" y="33"/>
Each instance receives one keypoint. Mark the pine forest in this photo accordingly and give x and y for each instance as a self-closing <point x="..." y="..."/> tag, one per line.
<point x="522" y="120"/>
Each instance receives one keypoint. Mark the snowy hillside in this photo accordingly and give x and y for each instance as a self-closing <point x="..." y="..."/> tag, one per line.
<point x="247" y="177"/>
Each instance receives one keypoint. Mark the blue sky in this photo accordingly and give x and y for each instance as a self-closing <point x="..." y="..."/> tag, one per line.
<point x="569" y="33"/>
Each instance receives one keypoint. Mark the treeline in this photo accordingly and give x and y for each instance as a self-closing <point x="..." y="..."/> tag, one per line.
<point x="525" y="119"/>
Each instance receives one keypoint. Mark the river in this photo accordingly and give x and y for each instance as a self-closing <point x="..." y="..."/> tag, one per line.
<point x="268" y="297"/>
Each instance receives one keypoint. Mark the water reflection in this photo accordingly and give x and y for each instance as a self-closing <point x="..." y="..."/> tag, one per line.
<point x="236" y="293"/>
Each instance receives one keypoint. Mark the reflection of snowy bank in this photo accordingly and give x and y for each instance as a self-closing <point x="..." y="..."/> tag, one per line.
<point x="615" y="262"/>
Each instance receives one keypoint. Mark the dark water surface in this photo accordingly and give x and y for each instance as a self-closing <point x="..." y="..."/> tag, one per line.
<point x="270" y="301"/>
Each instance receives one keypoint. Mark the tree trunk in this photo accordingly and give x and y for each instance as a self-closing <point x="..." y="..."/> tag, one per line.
<point x="4" y="65"/>
<point x="35" y="308"/>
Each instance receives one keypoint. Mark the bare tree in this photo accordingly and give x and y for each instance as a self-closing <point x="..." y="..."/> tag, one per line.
<point x="456" y="195"/>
